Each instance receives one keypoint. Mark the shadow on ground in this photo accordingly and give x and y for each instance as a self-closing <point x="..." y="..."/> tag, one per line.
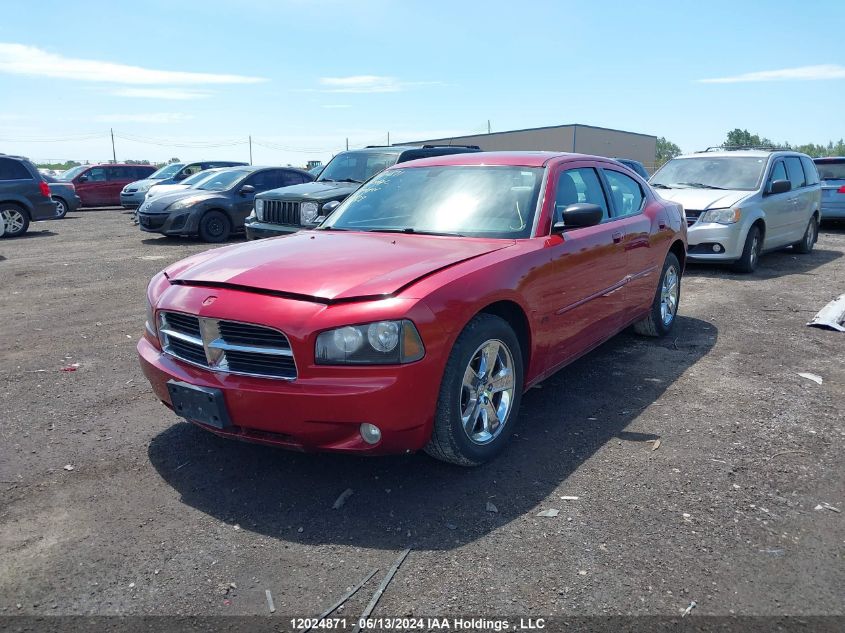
<point x="562" y="424"/>
<point x="772" y="265"/>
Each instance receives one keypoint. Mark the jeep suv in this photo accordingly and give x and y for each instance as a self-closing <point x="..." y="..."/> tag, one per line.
<point x="24" y="195"/>
<point x="289" y="209"/>
<point x="744" y="201"/>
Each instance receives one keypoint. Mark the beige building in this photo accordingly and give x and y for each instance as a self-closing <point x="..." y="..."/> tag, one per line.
<point x="583" y="139"/>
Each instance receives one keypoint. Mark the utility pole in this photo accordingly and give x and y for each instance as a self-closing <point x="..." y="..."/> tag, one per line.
<point x="488" y="126"/>
<point x="113" y="152"/>
<point x="250" y="149"/>
<point x="347" y="143"/>
<point x="388" y="139"/>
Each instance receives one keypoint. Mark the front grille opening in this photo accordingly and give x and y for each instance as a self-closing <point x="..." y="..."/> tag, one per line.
<point x="280" y="212"/>
<point x="244" y="334"/>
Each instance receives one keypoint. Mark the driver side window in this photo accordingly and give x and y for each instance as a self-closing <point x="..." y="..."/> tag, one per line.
<point x="778" y="173"/>
<point x="580" y="185"/>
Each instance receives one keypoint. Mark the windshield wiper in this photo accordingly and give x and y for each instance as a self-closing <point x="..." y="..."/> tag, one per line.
<point x="660" y="185"/>
<point x="348" y="180"/>
<point x="700" y="185"/>
<point x="410" y="230"/>
<point x="329" y="228"/>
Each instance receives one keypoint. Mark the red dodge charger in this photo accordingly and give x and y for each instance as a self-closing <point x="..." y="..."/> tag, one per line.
<point x="416" y="315"/>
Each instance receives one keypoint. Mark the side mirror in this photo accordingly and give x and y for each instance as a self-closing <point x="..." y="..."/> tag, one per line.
<point x="780" y="186"/>
<point x="579" y="215"/>
<point x="82" y="179"/>
<point x="246" y="190"/>
<point x="329" y="207"/>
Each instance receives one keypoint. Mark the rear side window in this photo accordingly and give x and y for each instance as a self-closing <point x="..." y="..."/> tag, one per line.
<point x="810" y="172"/>
<point x="579" y="185"/>
<point x="11" y="169"/>
<point x="627" y="196"/>
<point x="795" y="171"/>
<point x="831" y="169"/>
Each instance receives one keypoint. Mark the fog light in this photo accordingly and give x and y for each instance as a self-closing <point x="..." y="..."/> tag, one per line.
<point x="370" y="433"/>
<point x="717" y="248"/>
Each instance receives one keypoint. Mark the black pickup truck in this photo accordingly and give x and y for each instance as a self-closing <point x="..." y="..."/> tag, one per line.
<point x="290" y="209"/>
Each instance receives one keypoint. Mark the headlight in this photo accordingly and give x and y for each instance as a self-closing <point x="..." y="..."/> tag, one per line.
<point x="307" y="212"/>
<point x="150" y="323"/>
<point x="145" y="187"/>
<point x="379" y="343"/>
<point x="184" y="203"/>
<point x="722" y="216"/>
<point x="259" y="209"/>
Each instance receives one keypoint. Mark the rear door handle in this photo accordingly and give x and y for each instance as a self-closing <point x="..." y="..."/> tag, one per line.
<point x="617" y="237"/>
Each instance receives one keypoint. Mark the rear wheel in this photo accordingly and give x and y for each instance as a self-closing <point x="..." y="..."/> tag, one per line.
<point x="810" y="236"/>
<point x="61" y="207"/>
<point x="664" y="308"/>
<point x="15" y="219"/>
<point x="750" y="252"/>
<point x="479" y="395"/>
<point x="214" y="227"/>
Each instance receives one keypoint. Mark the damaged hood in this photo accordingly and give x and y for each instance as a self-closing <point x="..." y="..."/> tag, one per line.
<point x="330" y="266"/>
<point x="703" y="199"/>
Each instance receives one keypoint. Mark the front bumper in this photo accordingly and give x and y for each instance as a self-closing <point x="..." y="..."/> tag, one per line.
<point x="702" y="236"/>
<point x="176" y="223"/>
<point x="256" y="230"/>
<point x="132" y="200"/>
<point x="311" y="413"/>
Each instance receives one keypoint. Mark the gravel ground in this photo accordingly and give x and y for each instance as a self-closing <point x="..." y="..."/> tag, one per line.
<point x="157" y="516"/>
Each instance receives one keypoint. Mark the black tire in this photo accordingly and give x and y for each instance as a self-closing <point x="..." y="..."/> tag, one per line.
<point x="61" y="207"/>
<point x="811" y="234"/>
<point x="750" y="252"/>
<point x="16" y="219"/>
<point x="658" y="323"/>
<point x="450" y="442"/>
<point x="214" y="227"/>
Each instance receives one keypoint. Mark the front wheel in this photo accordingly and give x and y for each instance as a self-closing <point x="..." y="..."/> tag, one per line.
<point x="214" y="227"/>
<point x="479" y="395"/>
<point x="747" y="263"/>
<point x="664" y="308"/>
<point x="810" y="236"/>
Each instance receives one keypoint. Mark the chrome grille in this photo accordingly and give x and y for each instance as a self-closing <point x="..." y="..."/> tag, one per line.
<point x="228" y="346"/>
<point x="281" y="212"/>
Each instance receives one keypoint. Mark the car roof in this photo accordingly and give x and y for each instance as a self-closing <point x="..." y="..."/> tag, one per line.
<point x="750" y="153"/>
<point x="514" y="159"/>
<point x="826" y="159"/>
<point x="116" y="165"/>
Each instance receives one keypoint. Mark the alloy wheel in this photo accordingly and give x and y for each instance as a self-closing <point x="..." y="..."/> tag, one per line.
<point x="487" y="392"/>
<point x="755" y="251"/>
<point x="669" y="295"/>
<point x="13" y="219"/>
<point x="61" y="210"/>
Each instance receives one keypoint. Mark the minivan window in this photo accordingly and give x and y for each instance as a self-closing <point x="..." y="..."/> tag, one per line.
<point x="738" y="173"/>
<point x="831" y="169"/>
<point x="778" y="172"/>
<point x="810" y="171"/>
<point x="73" y="172"/>
<point x="166" y="172"/>
<point x="13" y="170"/>
<point x="795" y="171"/>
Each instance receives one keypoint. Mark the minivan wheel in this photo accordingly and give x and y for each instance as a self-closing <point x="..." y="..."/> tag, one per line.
<point x="750" y="252"/>
<point x="61" y="208"/>
<point x="479" y="395"/>
<point x="810" y="236"/>
<point x="15" y="219"/>
<point x="664" y="308"/>
<point x="214" y="227"/>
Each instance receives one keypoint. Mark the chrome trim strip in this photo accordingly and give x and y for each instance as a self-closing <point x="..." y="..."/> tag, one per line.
<point x="267" y="351"/>
<point x="182" y="336"/>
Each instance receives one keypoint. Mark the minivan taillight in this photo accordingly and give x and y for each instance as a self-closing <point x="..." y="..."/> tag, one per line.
<point x="45" y="189"/>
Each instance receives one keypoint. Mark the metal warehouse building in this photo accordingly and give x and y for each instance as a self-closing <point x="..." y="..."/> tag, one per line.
<point x="584" y="139"/>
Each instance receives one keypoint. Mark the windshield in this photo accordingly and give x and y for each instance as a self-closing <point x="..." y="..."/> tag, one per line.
<point x="199" y="177"/>
<point x="166" y="172"/>
<point x="73" y="172"/>
<point x="356" y="166"/>
<point x="222" y="180"/>
<point x="831" y="170"/>
<point x="740" y="173"/>
<point x="488" y="201"/>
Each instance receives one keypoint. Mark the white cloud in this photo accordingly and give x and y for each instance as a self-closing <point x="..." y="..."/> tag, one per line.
<point x="369" y="84"/>
<point x="149" y="117"/>
<point x="803" y="73"/>
<point x="174" y="94"/>
<point x="19" y="59"/>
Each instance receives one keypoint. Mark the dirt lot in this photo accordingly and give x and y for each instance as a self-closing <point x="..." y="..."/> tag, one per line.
<point x="157" y="516"/>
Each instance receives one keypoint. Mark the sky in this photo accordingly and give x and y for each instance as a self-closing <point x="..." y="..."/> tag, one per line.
<point x="195" y="80"/>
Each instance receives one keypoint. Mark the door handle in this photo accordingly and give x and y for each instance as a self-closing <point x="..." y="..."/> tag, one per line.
<point x="617" y="237"/>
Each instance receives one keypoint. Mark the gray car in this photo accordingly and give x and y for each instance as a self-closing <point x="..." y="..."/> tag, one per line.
<point x="24" y="195"/>
<point x="832" y="174"/>
<point x="741" y="203"/>
<point x="64" y="195"/>
<point x="133" y="194"/>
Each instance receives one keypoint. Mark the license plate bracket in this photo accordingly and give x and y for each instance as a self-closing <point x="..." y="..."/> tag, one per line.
<point x="199" y="404"/>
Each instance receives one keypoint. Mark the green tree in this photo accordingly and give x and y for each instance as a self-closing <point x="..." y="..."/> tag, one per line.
<point x="665" y="151"/>
<point x="174" y="160"/>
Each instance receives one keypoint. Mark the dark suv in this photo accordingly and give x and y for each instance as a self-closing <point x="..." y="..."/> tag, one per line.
<point x="289" y="209"/>
<point x="24" y="195"/>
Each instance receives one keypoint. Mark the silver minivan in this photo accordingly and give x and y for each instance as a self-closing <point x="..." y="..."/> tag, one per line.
<point x="741" y="203"/>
